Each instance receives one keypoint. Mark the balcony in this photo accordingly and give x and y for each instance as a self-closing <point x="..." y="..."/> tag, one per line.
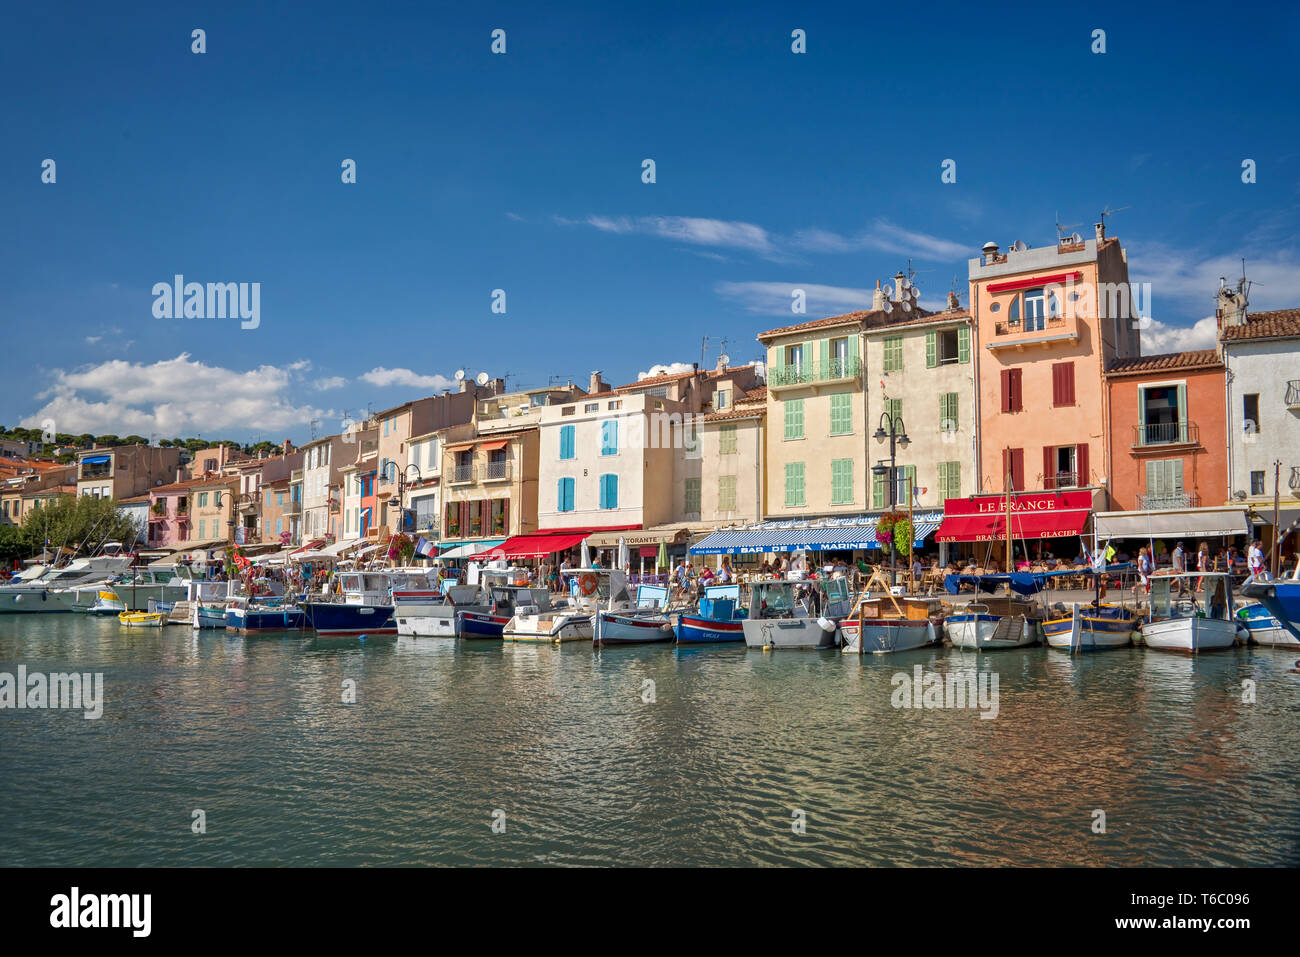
<point x="1165" y="434"/>
<point x="293" y="507"/>
<point x="1054" y="481"/>
<point x="495" y="472"/>
<point x="248" y="501"/>
<point x="1008" y="333"/>
<point x="1293" y="394"/>
<point x="1166" y="500"/>
<point x="813" y="373"/>
<point x="462" y="474"/>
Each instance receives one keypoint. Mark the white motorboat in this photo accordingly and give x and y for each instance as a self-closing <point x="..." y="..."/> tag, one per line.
<point x="425" y="611"/>
<point x="107" y="602"/>
<point x="779" y="618"/>
<point x="1186" y="618"/>
<point x="46" y="588"/>
<point x="595" y="589"/>
<point x="877" y="629"/>
<point x="646" y="623"/>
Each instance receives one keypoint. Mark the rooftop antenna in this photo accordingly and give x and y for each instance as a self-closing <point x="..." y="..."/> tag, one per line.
<point x="1061" y="238"/>
<point x="704" y="347"/>
<point x="1110" y="212"/>
<point x="315" y="427"/>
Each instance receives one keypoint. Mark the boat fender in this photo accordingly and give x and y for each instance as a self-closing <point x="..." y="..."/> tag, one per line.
<point x="666" y="627"/>
<point x="827" y="624"/>
<point x="17" y="599"/>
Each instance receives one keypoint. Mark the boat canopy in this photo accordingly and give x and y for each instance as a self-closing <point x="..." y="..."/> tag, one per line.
<point x="828" y="535"/>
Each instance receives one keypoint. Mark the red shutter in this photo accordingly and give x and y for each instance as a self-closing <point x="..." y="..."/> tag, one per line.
<point x="1017" y="400"/>
<point x="505" y="515"/>
<point x="1006" y="392"/>
<point x="1067" y="384"/>
<point x="464" y="519"/>
<point x="1049" y="467"/>
<point x="1081" y="465"/>
<point x="1056" y="385"/>
<point x="1063" y="384"/>
<point x="1018" y="469"/>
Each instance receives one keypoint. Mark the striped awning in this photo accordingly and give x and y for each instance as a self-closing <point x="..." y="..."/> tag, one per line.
<point x="831" y="535"/>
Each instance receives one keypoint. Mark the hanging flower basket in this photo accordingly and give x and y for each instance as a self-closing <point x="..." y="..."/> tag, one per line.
<point x="894" y="528"/>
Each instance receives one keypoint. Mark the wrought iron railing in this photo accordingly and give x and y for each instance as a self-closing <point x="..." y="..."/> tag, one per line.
<point x="1164" y="500"/>
<point x="495" y="471"/>
<point x="1061" y="480"/>
<point x="462" y="474"/>
<point x="809" y="372"/>
<point x="1166" y="433"/>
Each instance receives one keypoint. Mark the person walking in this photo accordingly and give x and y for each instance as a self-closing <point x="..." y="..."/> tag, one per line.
<point x="1255" y="562"/>
<point x="1202" y="564"/>
<point x="1144" y="568"/>
<point x="1179" y="566"/>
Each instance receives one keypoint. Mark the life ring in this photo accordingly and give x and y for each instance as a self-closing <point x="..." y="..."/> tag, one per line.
<point x="587" y="585"/>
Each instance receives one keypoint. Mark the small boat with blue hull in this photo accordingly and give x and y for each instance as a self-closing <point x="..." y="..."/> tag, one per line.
<point x="993" y="623"/>
<point x="1092" y="627"/>
<point x="251" y="619"/>
<point x="719" y="617"/>
<point x="1281" y="598"/>
<point x="505" y="602"/>
<point x="1264" y="627"/>
<point x="364" y="606"/>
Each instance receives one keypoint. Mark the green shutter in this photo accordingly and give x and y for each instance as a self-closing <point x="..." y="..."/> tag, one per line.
<point x="948" y="412"/>
<point x="808" y="358"/>
<point x="853" y="355"/>
<point x="1182" y="414"/>
<point x="841" y="481"/>
<point x="794" y="494"/>
<point x="963" y="344"/>
<point x="895" y="409"/>
<point x="909" y="486"/>
<point x="931" y="349"/>
<point x="727" y="439"/>
<point x="794" y="418"/>
<point x="841" y="414"/>
<point x="824" y="367"/>
<point x="877" y="490"/>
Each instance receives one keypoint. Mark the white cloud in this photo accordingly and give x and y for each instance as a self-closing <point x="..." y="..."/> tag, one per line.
<point x="384" y="378"/>
<point x="670" y="368"/>
<point x="884" y="236"/>
<point x="776" y="298"/>
<point x="302" y="365"/>
<point x="171" y="397"/>
<point x="1159" y="337"/>
<point x="332" y="382"/>
<point x="91" y="340"/>
<point x="1190" y="279"/>
<point x="687" y="229"/>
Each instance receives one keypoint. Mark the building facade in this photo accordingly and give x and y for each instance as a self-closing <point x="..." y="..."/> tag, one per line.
<point x="126" y="470"/>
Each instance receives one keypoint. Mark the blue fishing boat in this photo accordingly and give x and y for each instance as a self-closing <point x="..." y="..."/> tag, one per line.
<point x="250" y="619"/>
<point x="364" y="606"/>
<point x="1265" y="628"/>
<point x="1281" y="598"/>
<point x="718" y="618"/>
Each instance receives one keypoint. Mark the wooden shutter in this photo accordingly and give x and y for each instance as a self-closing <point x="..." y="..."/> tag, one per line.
<point x="1182" y="413"/>
<point x="877" y="490"/>
<point x="505" y="515"/>
<point x="931" y="349"/>
<point x="825" y="362"/>
<point x="1081" y="465"/>
<point x="1017" y="403"/>
<point x="1018" y="468"/>
<point x="1067" y="384"/>
<point x="1049" y="467"/>
<point x="963" y="344"/>
<point x="1006" y="391"/>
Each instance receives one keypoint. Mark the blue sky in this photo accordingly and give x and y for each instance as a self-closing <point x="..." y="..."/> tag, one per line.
<point x="523" y="172"/>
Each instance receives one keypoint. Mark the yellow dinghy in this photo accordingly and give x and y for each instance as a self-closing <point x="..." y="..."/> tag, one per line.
<point x="141" y="619"/>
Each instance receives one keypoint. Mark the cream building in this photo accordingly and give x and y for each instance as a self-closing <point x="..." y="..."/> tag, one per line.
<point x="731" y="441"/>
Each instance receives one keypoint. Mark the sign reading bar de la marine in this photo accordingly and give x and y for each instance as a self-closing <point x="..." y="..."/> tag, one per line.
<point x="982" y="518"/>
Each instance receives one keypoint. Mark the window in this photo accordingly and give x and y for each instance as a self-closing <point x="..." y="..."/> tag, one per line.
<point x="722" y="399"/>
<point x="568" y="410"/>
<point x="1250" y="412"/>
<point x="1256" y="483"/>
<point x="841" y="481"/>
<point x="794" y="418"/>
<point x="203" y="525"/>
<point x="475" y="518"/>
<point x="564" y="495"/>
<point x="1035" y="310"/>
<point x="841" y="414"/>
<point x="727" y="444"/>
<point x="942" y="347"/>
<point x="726" y="493"/>
<point x="893" y="353"/>
<point x="451" y="527"/>
<point x="894" y="408"/>
<point x="609" y="437"/>
<point x="794" y="357"/>
<point x="839" y="354"/>
<point x="948" y="412"/>
<point x="385" y="426"/>
<point x="609" y="491"/>
<point x="794" y="496"/>
<point x="1062" y="384"/>
<point x="1061" y="465"/>
<point x="1162" y="414"/>
<point x="500" y="515"/>
<point x="268" y="499"/>
<point x="616" y="404"/>
<point x="566" y="441"/>
<point x="904" y="484"/>
<point x="203" y="500"/>
<point x="1013" y="313"/>
<point x="591" y="407"/>
<point x="1011" y="397"/>
<point x="279" y="500"/>
<point x="1165" y="483"/>
<point x="279" y="526"/>
<point x="692" y="502"/>
<point x="949" y="480"/>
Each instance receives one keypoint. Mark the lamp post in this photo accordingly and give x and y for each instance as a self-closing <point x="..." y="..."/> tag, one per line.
<point x="891" y="427"/>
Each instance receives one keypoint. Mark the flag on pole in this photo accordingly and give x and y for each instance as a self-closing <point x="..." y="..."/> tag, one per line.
<point x="424" y="547"/>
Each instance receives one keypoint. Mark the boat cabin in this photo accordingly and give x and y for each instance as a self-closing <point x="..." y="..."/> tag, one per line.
<point x="1176" y="596"/>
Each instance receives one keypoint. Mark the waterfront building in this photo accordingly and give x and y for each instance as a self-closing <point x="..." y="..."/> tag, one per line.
<point x="1047" y="323"/>
<point x="169" y="518"/>
<point x="124" y="471"/>
<point x="732" y="446"/>
<point x="293" y="506"/>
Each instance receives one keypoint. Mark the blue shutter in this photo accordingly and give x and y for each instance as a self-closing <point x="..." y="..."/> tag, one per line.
<point x="609" y="437"/>
<point x="602" y="490"/>
<point x="611" y="496"/>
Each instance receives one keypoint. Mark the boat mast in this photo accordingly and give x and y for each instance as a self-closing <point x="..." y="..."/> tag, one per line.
<point x="1007" y="483"/>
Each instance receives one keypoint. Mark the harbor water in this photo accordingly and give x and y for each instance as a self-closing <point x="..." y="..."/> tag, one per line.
<point x="655" y="755"/>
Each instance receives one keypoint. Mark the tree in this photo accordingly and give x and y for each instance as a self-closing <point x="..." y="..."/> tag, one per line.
<point x="13" y="544"/>
<point x="79" y="522"/>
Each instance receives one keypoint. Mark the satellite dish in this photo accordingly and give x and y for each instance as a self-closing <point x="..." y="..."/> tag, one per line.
<point x="889" y="305"/>
<point x="460" y="374"/>
<point x="481" y="378"/>
<point x="1019" y="246"/>
<point x="907" y="306"/>
<point x="888" y="290"/>
<point x="914" y="293"/>
<point x="725" y="359"/>
<point x="1076" y="238"/>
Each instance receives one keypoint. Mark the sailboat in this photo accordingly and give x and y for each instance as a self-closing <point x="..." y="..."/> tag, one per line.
<point x="1097" y="625"/>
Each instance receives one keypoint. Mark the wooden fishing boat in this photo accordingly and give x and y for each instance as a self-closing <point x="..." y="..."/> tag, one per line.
<point x="719" y="617"/>
<point x="877" y="628"/>
<point x="646" y="623"/>
<point x="1092" y="627"/>
<point x="1185" y="618"/>
<point x="142" y="619"/>
<point x="994" y="623"/>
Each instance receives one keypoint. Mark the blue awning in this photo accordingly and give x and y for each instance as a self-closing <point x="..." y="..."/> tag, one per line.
<point x="831" y="535"/>
<point x="95" y="460"/>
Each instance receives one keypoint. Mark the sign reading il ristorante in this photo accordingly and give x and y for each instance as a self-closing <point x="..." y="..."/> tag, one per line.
<point x="982" y="518"/>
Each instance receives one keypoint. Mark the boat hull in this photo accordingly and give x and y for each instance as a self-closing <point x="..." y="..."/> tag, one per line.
<point x="611" y="628"/>
<point x="695" y="630"/>
<point x="1191" y="635"/>
<point x="1282" y="599"/>
<point x="1265" y="629"/>
<point x="1093" y="633"/>
<point x="427" y="626"/>
<point x="340" y="619"/>
<point x="40" y="601"/>
<point x="794" y="633"/>
<point x="208" y="616"/>
<point x="882" y="636"/>
<point x="477" y="624"/>
<point x="253" y="620"/>
<point x="549" y="628"/>
<point x="984" y="632"/>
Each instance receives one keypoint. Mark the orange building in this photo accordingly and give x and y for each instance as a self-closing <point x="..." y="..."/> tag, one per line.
<point x="1047" y="324"/>
<point x="1168" y="422"/>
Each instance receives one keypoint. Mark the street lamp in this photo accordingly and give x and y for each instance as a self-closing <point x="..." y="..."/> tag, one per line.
<point x="401" y="484"/>
<point x="891" y="427"/>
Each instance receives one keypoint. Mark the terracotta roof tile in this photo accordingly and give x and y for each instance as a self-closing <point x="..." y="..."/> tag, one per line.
<point x="1198" y="359"/>
<point x="871" y="319"/>
<point x="848" y="318"/>
<point x="1280" y="323"/>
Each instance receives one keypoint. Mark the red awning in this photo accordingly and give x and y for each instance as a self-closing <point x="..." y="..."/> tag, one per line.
<point x="1053" y="280"/>
<point x="1033" y="515"/>
<point x="493" y="446"/>
<point x="532" y="546"/>
<point x="311" y="546"/>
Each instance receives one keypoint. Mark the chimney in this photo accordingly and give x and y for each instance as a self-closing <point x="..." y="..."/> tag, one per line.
<point x="597" y="385"/>
<point x="878" y="298"/>
<point x="953" y="301"/>
<point x="900" y="283"/>
<point x="498" y="386"/>
<point x="1230" y="305"/>
<point x="466" y="384"/>
<point x="990" y="252"/>
<point x="287" y="446"/>
<point x="1101" y="230"/>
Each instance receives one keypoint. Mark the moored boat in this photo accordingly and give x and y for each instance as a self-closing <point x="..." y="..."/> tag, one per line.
<point x="719" y="617"/>
<point x="250" y="618"/>
<point x="141" y="619"/>
<point x="1185" y="618"/>
<point x="646" y="623"/>
<point x="992" y="624"/>
<point x="596" y="588"/>
<point x="1264" y="627"/>
<point x="1092" y="627"/>
<point x="875" y="629"/>
<point x="779" y="619"/>
<point x="364" y="606"/>
<point x="1281" y="598"/>
<point x="107" y="602"/>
